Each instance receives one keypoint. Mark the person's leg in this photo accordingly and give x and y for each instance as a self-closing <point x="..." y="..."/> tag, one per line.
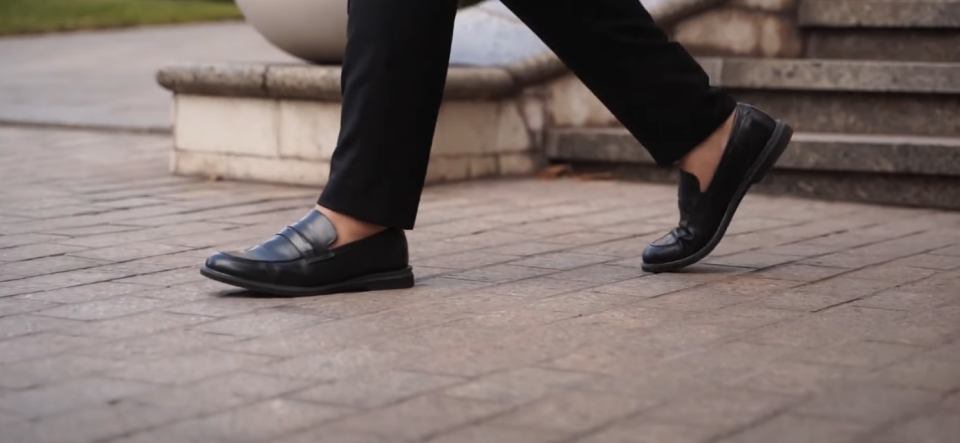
<point x="393" y="78"/>
<point x="663" y="97"/>
<point x="651" y="84"/>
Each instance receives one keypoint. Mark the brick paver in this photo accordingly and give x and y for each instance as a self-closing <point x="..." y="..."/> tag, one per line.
<point x="532" y="321"/>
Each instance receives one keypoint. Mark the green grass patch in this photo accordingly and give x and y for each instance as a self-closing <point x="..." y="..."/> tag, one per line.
<point x="37" y="16"/>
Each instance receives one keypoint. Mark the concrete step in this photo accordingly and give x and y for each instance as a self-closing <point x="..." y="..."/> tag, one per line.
<point x="848" y="96"/>
<point x="904" y="44"/>
<point x="900" y="170"/>
<point x="930" y="14"/>
<point x="914" y="30"/>
<point x="807" y="151"/>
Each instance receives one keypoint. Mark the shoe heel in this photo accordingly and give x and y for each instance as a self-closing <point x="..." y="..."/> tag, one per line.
<point x="781" y="140"/>
<point x="387" y="281"/>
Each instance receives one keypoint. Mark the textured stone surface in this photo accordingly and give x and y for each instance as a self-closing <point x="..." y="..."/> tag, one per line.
<point x="936" y="427"/>
<point x="881" y="13"/>
<point x="514" y="134"/>
<point x="808" y="151"/>
<point x="739" y="32"/>
<point x="249" y="168"/>
<point x="841" y="75"/>
<point x="479" y="83"/>
<point x="860" y="113"/>
<point x="292" y="141"/>
<point x="531" y="321"/>
<point x="570" y="103"/>
<point x="883" y="154"/>
<point x="669" y="11"/>
<point x="766" y="5"/>
<point x="910" y="171"/>
<point x="855" y="97"/>
<point x="308" y="130"/>
<point x="312" y="82"/>
<point x="315" y="82"/>
<point x="216" y="79"/>
<point x="226" y="125"/>
<point x="916" y="191"/>
<point x="928" y="45"/>
<point x="596" y="145"/>
<point x="537" y="69"/>
<point x="467" y="128"/>
<point x="900" y="190"/>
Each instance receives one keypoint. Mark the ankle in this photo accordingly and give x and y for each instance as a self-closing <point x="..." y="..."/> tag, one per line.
<point x="703" y="160"/>
<point x="349" y="229"/>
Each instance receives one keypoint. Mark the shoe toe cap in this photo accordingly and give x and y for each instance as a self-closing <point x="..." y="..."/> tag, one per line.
<point x="657" y="254"/>
<point x="225" y="263"/>
<point x="664" y="250"/>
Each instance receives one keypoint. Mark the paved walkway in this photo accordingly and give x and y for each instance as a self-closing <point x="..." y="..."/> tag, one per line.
<point x="106" y="78"/>
<point x="532" y="321"/>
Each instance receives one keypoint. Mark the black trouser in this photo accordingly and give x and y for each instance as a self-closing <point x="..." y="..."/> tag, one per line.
<point x="395" y="68"/>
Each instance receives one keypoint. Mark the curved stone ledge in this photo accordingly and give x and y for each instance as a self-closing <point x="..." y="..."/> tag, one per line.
<point x="309" y="82"/>
<point x="242" y="80"/>
<point x="303" y="81"/>
<point x="537" y="69"/>
<point x="667" y="12"/>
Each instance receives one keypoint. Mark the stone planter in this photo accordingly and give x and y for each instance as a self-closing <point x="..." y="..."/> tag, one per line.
<point x="279" y="123"/>
<point x="314" y="30"/>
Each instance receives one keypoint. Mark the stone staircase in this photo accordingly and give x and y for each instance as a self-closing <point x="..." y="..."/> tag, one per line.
<point x="905" y="30"/>
<point x="872" y="88"/>
<point x="279" y="122"/>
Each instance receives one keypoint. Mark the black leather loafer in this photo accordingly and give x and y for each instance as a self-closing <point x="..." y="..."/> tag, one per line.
<point x="756" y="142"/>
<point x="298" y="261"/>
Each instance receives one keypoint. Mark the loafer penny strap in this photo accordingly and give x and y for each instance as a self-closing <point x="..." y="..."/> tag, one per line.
<point x="311" y="235"/>
<point x="306" y="249"/>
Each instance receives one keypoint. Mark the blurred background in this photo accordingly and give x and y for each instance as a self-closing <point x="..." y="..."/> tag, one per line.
<point x="38" y="16"/>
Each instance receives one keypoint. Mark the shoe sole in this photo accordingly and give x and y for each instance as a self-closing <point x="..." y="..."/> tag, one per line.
<point x="774" y="148"/>
<point x="381" y="281"/>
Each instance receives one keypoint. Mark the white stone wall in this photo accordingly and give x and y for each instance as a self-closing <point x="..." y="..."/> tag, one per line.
<point x="291" y="141"/>
<point x="745" y="28"/>
<point x="571" y="105"/>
